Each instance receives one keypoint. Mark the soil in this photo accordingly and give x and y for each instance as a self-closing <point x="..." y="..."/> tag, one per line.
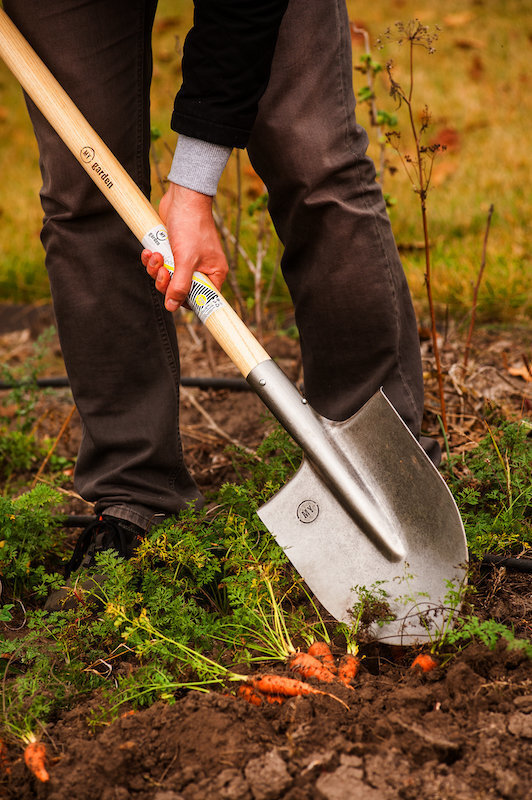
<point x="460" y="732"/>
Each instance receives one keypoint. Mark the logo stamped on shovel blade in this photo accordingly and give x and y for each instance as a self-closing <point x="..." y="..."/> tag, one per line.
<point x="307" y="511"/>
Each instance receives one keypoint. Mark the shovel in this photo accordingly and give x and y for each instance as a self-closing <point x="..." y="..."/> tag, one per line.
<point x="367" y="511"/>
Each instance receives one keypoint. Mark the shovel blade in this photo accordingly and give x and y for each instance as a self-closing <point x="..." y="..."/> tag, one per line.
<point x="334" y="556"/>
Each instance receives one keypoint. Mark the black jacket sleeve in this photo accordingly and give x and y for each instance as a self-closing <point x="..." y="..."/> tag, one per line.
<point x="227" y="59"/>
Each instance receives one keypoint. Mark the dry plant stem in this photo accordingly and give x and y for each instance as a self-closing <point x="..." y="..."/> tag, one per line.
<point x="63" y="428"/>
<point x="187" y="395"/>
<point x="255" y="267"/>
<point x="257" y="276"/>
<point x="156" y="163"/>
<point x="424" y="181"/>
<point x="209" y="352"/>
<point x="477" y="286"/>
<point x="200" y="436"/>
<point x="275" y="270"/>
<point x="434" y="332"/>
<point x="263" y="241"/>
<point x="232" y="257"/>
<point x="38" y="422"/>
<point x="238" y="220"/>
<point x="234" y="251"/>
<point x="192" y="333"/>
<point x="226" y="237"/>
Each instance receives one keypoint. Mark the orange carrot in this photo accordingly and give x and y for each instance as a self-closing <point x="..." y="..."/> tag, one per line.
<point x="348" y="668"/>
<point x="248" y="693"/>
<point x="277" y="684"/>
<point x="425" y="662"/>
<point x="34" y="756"/>
<point x="4" y="759"/>
<point x="287" y="687"/>
<point x="257" y="698"/>
<point x="322" y="651"/>
<point x="309" y="667"/>
<point x="274" y="698"/>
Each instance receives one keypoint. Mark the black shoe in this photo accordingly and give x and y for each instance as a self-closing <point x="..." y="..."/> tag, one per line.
<point x="105" y="533"/>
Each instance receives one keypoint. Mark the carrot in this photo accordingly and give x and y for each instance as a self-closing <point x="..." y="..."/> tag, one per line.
<point x="34" y="756"/>
<point x="309" y="667"/>
<point x="274" y="698"/>
<point x="287" y="687"/>
<point x="425" y="662"/>
<point x="248" y="693"/>
<point x="257" y="698"/>
<point x="348" y="668"/>
<point x="322" y="651"/>
<point x="277" y="684"/>
<point x="4" y="759"/>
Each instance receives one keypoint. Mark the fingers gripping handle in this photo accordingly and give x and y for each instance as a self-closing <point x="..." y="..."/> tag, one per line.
<point x="212" y="309"/>
<point x="202" y="298"/>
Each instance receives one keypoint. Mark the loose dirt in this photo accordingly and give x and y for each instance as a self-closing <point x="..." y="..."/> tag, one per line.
<point x="461" y="732"/>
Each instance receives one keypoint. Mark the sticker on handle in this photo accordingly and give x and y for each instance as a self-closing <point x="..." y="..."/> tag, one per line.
<point x="202" y="298"/>
<point x="157" y="241"/>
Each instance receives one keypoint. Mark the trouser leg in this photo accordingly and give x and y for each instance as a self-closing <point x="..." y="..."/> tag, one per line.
<point x="118" y="342"/>
<point x="353" y="308"/>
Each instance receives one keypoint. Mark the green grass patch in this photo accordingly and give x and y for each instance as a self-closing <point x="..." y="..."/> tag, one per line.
<point x="474" y="87"/>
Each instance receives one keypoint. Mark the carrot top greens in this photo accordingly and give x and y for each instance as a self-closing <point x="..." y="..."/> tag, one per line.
<point x="210" y="599"/>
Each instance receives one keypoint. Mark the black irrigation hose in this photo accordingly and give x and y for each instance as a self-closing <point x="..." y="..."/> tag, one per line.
<point x="512" y="564"/>
<point x="234" y="384"/>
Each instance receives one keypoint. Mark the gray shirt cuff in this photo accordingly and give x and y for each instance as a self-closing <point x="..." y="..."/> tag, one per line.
<point x="198" y="165"/>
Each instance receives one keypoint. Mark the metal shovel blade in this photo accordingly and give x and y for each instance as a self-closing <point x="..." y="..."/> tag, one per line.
<point x="335" y="556"/>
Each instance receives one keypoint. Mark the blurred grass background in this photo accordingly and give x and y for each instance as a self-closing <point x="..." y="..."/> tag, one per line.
<point x="476" y="87"/>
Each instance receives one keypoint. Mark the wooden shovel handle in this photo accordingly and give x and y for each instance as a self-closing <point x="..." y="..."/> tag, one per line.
<point x="115" y="183"/>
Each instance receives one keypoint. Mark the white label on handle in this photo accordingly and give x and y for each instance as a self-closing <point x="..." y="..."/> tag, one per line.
<point x="202" y="298"/>
<point x="156" y="240"/>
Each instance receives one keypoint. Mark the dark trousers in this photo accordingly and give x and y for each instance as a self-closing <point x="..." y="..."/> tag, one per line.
<point x="353" y="308"/>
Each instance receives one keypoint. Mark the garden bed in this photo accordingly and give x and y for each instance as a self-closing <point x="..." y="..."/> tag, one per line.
<point x="460" y="731"/>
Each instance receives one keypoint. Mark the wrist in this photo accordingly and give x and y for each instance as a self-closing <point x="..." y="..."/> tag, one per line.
<point x="189" y="198"/>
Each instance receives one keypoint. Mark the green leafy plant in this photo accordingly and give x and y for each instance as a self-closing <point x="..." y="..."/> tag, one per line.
<point x="493" y="489"/>
<point x="380" y="120"/>
<point x="19" y="451"/>
<point x="488" y="631"/>
<point x="29" y="528"/>
<point x="371" y="607"/>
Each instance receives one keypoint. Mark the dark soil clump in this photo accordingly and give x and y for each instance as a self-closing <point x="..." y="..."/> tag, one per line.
<point x="457" y="733"/>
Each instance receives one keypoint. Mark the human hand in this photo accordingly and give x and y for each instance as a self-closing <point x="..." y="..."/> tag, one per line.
<point x="195" y="244"/>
